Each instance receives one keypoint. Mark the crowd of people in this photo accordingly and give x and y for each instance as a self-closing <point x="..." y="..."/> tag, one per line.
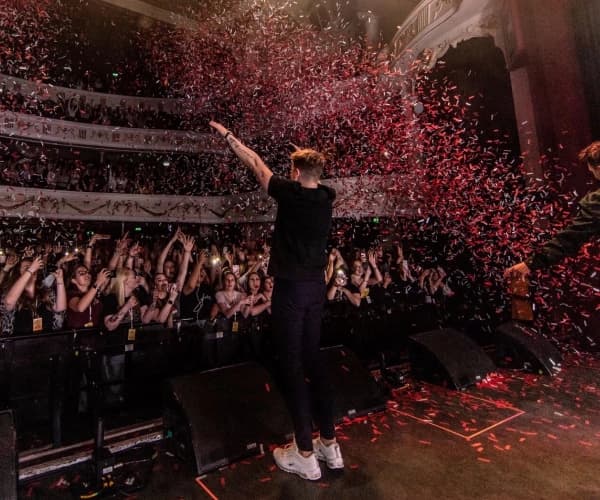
<point x="56" y="42"/>
<point x="80" y="111"/>
<point x="109" y="284"/>
<point x="45" y="167"/>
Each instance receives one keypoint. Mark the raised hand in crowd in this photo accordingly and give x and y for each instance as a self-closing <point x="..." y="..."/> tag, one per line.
<point x="372" y="274"/>
<point x="240" y="253"/>
<point x="11" y="261"/>
<point x="164" y="254"/>
<point x="103" y="278"/>
<point x="117" y="259"/>
<point x="25" y="283"/>
<point x="201" y="263"/>
<point x="166" y="313"/>
<point x="335" y="261"/>
<point x="399" y="253"/>
<point x="60" y="304"/>
<point x="68" y="257"/>
<point x="228" y="256"/>
<point x="188" y="243"/>
<point x="28" y="252"/>
<point x="87" y="258"/>
<point x="98" y="237"/>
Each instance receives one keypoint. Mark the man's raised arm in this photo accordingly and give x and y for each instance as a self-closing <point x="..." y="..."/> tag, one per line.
<point x="248" y="157"/>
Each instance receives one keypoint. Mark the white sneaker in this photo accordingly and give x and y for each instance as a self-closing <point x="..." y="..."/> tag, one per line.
<point x="291" y="460"/>
<point x="330" y="454"/>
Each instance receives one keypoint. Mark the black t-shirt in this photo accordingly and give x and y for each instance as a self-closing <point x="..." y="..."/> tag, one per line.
<point x="340" y="305"/>
<point x="198" y="303"/>
<point x="299" y="247"/>
<point x="24" y="320"/>
<point x="110" y="306"/>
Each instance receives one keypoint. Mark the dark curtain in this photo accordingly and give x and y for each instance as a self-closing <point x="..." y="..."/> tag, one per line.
<point x="586" y="19"/>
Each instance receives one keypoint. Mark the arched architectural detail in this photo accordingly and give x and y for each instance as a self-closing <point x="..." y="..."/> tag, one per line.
<point x="549" y="98"/>
<point x="436" y="25"/>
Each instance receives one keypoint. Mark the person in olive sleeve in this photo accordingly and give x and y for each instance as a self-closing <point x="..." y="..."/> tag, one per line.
<point x="584" y="226"/>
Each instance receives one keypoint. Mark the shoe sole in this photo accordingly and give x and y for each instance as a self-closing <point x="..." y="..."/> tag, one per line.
<point x="303" y="476"/>
<point x="322" y="458"/>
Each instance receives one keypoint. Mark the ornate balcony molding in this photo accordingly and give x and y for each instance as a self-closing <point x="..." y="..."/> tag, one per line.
<point x="357" y="197"/>
<point x="35" y="128"/>
<point x="426" y="16"/>
<point x="154" y="12"/>
<point x="77" y="97"/>
<point x="436" y="25"/>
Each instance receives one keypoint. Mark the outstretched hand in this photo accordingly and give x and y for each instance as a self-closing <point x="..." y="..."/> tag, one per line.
<point x="218" y="127"/>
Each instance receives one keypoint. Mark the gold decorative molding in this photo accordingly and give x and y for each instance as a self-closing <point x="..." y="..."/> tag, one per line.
<point x="426" y="16"/>
<point x="356" y="197"/>
<point x="79" y="97"/>
<point x="436" y="25"/>
<point x="36" y="128"/>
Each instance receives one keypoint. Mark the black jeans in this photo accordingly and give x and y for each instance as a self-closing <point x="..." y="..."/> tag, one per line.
<point x="297" y="308"/>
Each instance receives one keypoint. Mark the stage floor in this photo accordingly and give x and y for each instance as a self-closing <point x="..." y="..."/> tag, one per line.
<point x="515" y="436"/>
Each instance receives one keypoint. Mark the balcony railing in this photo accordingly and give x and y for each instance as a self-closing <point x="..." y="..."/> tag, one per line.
<point x="35" y="128"/>
<point x="45" y="91"/>
<point x="356" y="197"/>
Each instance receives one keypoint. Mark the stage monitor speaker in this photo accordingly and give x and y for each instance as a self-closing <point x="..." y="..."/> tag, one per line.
<point x="8" y="457"/>
<point x="219" y="416"/>
<point x="355" y="391"/>
<point x="448" y="355"/>
<point x="525" y="349"/>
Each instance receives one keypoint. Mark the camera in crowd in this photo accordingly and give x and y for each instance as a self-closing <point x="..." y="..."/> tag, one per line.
<point x="341" y="279"/>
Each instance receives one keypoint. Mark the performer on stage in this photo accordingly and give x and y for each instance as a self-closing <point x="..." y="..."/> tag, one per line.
<point x="298" y="261"/>
<point x="582" y="228"/>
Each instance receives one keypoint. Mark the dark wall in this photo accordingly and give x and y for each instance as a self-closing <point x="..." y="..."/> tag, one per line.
<point x="477" y="67"/>
<point x="586" y="20"/>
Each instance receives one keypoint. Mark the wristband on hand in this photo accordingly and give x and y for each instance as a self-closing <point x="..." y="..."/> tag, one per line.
<point x="227" y="134"/>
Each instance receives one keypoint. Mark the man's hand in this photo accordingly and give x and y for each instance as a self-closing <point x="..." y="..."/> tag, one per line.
<point x="521" y="270"/>
<point x="246" y="155"/>
<point x="218" y="127"/>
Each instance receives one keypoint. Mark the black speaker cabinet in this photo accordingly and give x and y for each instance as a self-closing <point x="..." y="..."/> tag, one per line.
<point x="525" y="349"/>
<point x="355" y="392"/>
<point x="219" y="416"/>
<point x="8" y="457"/>
<point x="445" y="355"/>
